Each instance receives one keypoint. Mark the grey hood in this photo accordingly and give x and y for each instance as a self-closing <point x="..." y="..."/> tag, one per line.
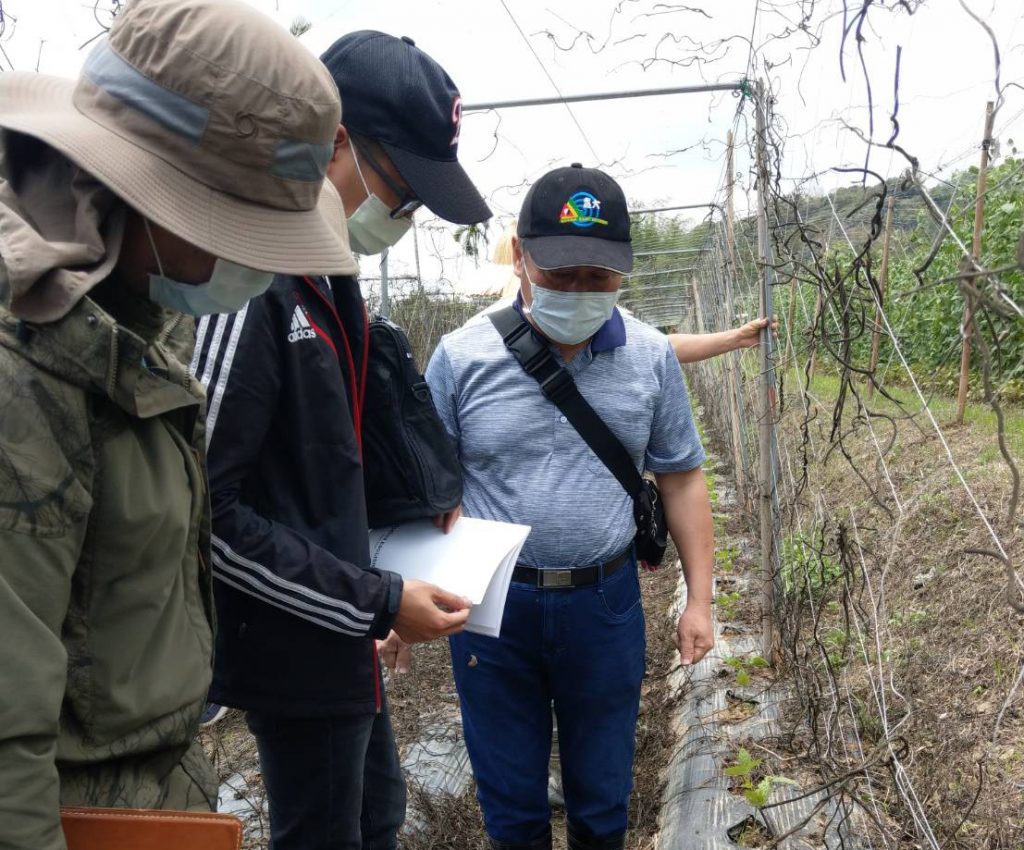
<point x="60" y="230"/>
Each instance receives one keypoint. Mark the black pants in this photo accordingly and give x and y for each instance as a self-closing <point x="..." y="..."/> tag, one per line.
<point x="333" y="783"/>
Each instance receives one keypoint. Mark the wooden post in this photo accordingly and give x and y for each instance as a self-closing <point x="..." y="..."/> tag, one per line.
<point x="979" y="222"/>
<point x="730" y="313"/>
<point x="814" y="344"/>
<point x="883" y="278"/>
<point x="790" y="355"/>
<point x="766" y="425"/>
<point x="697" y="306"/>
<point x="385" y="301"/>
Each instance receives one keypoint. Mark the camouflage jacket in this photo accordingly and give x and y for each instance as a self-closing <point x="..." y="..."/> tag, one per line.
<point x="105" y="603"/>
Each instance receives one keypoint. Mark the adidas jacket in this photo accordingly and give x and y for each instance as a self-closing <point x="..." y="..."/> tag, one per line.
<point x="297" y="605"/>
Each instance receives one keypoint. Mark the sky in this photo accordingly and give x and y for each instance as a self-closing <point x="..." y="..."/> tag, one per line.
<point x="666" y="150"/>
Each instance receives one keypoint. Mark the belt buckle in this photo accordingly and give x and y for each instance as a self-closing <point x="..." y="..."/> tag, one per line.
<point x="556" y="578"/>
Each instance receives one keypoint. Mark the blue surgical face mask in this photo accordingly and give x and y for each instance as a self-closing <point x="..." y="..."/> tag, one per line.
<point x="570" y="317"/>
<point x="229" y="288"/>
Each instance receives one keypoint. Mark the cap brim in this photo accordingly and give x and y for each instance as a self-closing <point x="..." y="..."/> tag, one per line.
<point x="559" y="252"/>
<point x="444" y="187"/>
<point x="289" y="242"/>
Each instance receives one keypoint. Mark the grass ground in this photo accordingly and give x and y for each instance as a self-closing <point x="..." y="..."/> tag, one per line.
<point x="977" y="415"/>
<point x="899" y="639"/>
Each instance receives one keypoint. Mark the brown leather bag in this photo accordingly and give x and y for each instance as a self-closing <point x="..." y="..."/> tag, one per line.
<point x="148" y="829"/>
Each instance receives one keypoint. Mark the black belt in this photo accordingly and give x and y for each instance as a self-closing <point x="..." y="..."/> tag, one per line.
<point x="578" y="577"/>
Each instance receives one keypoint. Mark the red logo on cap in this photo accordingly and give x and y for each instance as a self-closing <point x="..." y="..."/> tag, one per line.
<point x="456" y="120"/>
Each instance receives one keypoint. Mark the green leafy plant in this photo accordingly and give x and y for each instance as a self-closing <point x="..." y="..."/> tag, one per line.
<point x="757" y="792"/>
<point x="928" y="312"/>
<point x="725" y="558"/>
<point x="727" y="603"/>
<point x="807" y="570"/>
<point x="740" y="666"/>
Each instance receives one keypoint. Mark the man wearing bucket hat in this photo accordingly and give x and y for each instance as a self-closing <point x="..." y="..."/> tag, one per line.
<point x="298" y="606"/>
<point x="573" y="628"/>
<point x="180" y="171"/>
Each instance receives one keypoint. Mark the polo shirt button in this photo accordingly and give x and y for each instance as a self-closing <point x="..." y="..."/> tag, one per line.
<point x="562" y="419"/>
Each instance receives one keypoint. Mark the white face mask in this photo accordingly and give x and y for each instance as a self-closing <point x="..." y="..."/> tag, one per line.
<point x="229" y="288"/>
<point x="570" y="317"/>
<point x="371" y="228"/>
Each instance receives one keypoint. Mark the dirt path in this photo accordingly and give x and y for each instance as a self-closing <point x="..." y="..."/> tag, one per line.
<point x="424" y="710"/>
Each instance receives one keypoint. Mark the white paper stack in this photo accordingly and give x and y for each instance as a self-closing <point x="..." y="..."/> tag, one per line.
<point x="475" y="559"/>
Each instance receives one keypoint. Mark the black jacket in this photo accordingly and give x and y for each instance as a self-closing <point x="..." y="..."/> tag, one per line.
<point x="298" y="607"/>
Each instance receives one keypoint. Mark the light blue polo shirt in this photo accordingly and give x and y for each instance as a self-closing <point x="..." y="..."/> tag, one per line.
<point x="523" y="462"/>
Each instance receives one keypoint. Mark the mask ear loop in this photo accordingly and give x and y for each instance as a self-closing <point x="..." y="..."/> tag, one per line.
<point x="533" y="287"/>
<point x="152" y="245"/>
<point x="359" y="171"/>
<point x="528" y="308"/>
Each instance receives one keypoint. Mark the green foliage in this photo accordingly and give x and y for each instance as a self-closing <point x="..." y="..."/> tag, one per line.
<point x="908" y="618"/>
<point x="757" y="792"/>
<point x="725" y="558"/>
<point x="926" y="314"/>
<point x="740" y="667"/>
<point x="473" y="238"/>
<point x="727" y="603"/>
<point x="805" y="570"/>
<point x="745" y="764"/>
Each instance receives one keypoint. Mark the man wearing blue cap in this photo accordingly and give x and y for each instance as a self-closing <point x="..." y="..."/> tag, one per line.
<point x="298" y="606"/>
<point x="573" y="627"/>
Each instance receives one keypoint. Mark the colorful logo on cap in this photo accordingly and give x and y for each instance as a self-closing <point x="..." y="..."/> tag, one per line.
<point x="582" y="210"/>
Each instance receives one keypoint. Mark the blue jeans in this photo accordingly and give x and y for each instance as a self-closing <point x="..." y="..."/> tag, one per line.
<point x="333" y="783"/>
<point x="582" y="649"/>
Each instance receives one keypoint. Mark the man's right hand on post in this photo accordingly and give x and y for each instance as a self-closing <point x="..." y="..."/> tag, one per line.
<point x="419" y="616"/>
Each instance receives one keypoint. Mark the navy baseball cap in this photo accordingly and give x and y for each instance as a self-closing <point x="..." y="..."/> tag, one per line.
<point x="395" y="94"/>
<point x="576" y="216"/>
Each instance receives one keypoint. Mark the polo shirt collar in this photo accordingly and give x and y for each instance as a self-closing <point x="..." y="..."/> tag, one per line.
<point x="611" y="335"/>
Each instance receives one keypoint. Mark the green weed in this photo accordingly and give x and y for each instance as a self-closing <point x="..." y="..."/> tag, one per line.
<point x="758" y="793"/>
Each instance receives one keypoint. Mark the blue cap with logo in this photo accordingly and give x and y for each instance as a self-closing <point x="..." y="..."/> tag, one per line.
<point x="576" y="216"/>
<point x="394" y="93"/>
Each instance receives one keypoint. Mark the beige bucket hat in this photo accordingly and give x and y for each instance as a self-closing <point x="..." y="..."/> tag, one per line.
<point x="209" y="119"/>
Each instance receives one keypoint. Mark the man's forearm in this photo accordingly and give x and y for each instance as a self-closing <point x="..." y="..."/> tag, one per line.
<point x="690" y="348"/>
<point x="688" y="512"/>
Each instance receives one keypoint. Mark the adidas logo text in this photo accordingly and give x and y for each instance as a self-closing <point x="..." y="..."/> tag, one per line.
<point x="300" y="328"/>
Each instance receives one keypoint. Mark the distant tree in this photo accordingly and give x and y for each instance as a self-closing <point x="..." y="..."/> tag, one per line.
<point x="473" y="238"/>
<point x="300" y="26"/>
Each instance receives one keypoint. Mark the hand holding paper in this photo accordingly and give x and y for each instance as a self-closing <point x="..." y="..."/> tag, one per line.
<point x="446" y="522"/>
<point x="419" y="616"/>
<point x="475" y="559"/>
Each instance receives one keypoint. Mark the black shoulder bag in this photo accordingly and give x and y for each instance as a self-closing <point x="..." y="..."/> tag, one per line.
<point x="411" y="469"/>
<point x="560" y="389"/>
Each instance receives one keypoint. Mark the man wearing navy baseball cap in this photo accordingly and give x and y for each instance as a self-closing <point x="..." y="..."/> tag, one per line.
<point x="398" y="144"/>
<point x="573" y="628"/>
<point x="298" y="606"/>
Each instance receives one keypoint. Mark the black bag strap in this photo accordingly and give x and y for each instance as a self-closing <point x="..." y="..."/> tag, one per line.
<point x="560" y="389"/>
